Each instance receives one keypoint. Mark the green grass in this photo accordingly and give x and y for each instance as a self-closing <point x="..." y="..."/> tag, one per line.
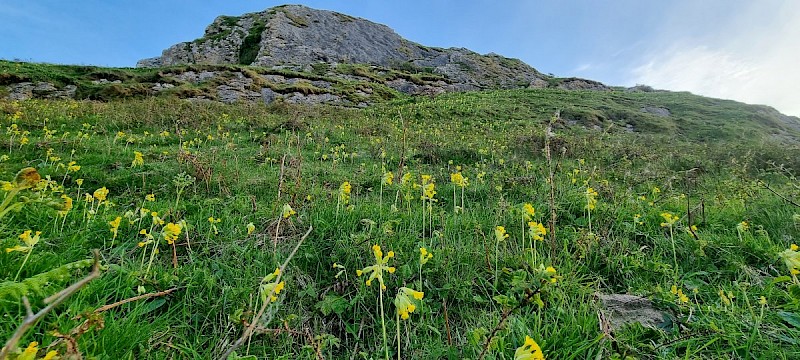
<point x="235" y="153"/>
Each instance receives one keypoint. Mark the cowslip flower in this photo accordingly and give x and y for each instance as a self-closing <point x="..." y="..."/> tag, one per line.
<point x="500" y="233"/>
<point x="669" y="219"/>
<point x="138" y="160"/>
<point x="101" y="194"/>
<point x="591" y="198"/>
<point x="404" y="303"/>
<point x="528" y="212"/>
<point x="742" y="226"/>
<point x="344" y="192"/>
<point x="679" y="293"/>
<point x="287" y="211"/>
<point x="424" y="256"/>
<point x="536" y="230"/>
<point x="459" y="180"/>
<point x="381" y="265"/>
<point x="114" y="225"/>
<point x="27" y="239"/>
<point x="250" y="228"/>
<point x="530" y="350"/>
<point x="170" y="232"/>
<point x="150" y="197"/>
<point x="791" y="257"/>
<point x="271" y="288"/>
<point x="387" y="178"/>
<point x="66" y="206"/>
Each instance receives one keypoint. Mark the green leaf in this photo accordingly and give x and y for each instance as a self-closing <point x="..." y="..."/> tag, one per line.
<point x="790" y="317"/>
<point x="153" y="305"/>
<point x="781" y="279"/>
<point x="332" y="304"/>
<point x="794" y="291"/>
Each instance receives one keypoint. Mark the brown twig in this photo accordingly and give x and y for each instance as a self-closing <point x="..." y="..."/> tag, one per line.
<point x="53" y="301"/>
<point x="135" y="298"/>
<point x="552" y="200"/>
<point x="447" y="323"/>
<point x="280" y="179"/>
<point x="762" y="183"/>
<point x="505" y="316"/>
<point x="249" y="330"/>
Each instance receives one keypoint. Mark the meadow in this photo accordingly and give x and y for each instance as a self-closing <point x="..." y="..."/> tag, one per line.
<point x="469" y="226"/>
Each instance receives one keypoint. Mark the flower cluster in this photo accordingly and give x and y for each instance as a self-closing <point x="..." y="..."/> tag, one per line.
<point x="404" y="303"/>
<point x="669" y="219"/>
<point x="530" y="350"/>
<point x="380" y="266"/>
<point x="270" y="287"/>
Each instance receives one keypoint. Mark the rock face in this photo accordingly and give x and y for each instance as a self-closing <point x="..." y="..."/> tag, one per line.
<point x="294" y="35"/>
<point x="40" y="90"/>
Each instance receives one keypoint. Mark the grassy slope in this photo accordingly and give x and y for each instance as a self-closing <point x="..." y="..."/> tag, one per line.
<point x="236" y="154"/>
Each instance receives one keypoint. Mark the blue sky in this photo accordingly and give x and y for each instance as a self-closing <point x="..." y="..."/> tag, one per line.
<point x="737" y="49"/>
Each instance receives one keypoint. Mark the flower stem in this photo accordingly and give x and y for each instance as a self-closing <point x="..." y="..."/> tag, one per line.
<point x="23" y="263"/>
<point x="383" y="325"/>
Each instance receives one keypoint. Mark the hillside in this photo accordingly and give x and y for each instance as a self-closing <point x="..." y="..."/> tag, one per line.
<point x="206" y="208"/>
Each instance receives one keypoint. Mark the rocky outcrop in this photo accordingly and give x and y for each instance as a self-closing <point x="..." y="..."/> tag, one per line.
<point x="40" y="90"/>
<point x="298" y="36"/>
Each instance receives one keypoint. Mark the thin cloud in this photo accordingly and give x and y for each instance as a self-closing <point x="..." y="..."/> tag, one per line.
<point x="753" y="64"/>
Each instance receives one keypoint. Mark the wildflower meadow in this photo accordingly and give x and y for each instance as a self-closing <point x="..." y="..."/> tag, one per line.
<point x="467" y="226"/>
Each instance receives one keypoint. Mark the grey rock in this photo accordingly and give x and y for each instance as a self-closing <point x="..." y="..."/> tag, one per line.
<point x="268" y="95"/>
<point x="41" y="90"/>
<point x="300" y="98"/>
<point x="20" y="91"/>
<point x="44" y="89"/>
<point x="294" y="37"/>
<point x="582" y="84"/>
<point x="623" y="309"/>
<point x="657" y="111"/>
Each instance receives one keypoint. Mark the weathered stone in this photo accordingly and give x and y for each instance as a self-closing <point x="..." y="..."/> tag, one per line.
<point x="43" y="89"/>
<point x="20" y="91"/>
<point x="582" y="84"/>
<point x="657" y="111"/>
<point x="298" y="38"/>
<point x="268" y="95"/>
<point x="623" y="309"/>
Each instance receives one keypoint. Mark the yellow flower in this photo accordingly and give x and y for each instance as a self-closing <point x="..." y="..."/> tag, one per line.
<point x="669" y="219"/>
<point x="791" y="257"/>
<point x="66" y="206"/>
<point x="115" y="225"/>
<point x="79" y="182"/>
<point x="536" y="230"/>
<point x="591" y="198"/>
<point x="376" y="270"/>
<point x="424" y="256"/>
<point x="138" y="160"/>
<point x="530" y="350"/>
<point x="72" y="167"/>
<point x="150" y="197"/>
<point x="101" y="193"/>
<point x="19" y="248"/>
<point x="403" y="301"/>
<point x="344" y="192"/>
<point x="30" y="352"/>
<point x="528" y="211"/>
<point x="170" y="232"/>
<point x="500" y="233"/>
<point x="459" y="180"/>
<point x="742" y="226"/>
<point x="387" y="178"/>
<point x="287" y="211"/>
<point x="250" y="228"/>
<point x="28" y="239"/>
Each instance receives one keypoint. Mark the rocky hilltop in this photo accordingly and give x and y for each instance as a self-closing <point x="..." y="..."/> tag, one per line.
<point x="298" y="37"/>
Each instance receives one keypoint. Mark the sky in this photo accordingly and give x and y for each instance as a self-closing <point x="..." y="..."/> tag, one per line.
<point x="732" y="49"/>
